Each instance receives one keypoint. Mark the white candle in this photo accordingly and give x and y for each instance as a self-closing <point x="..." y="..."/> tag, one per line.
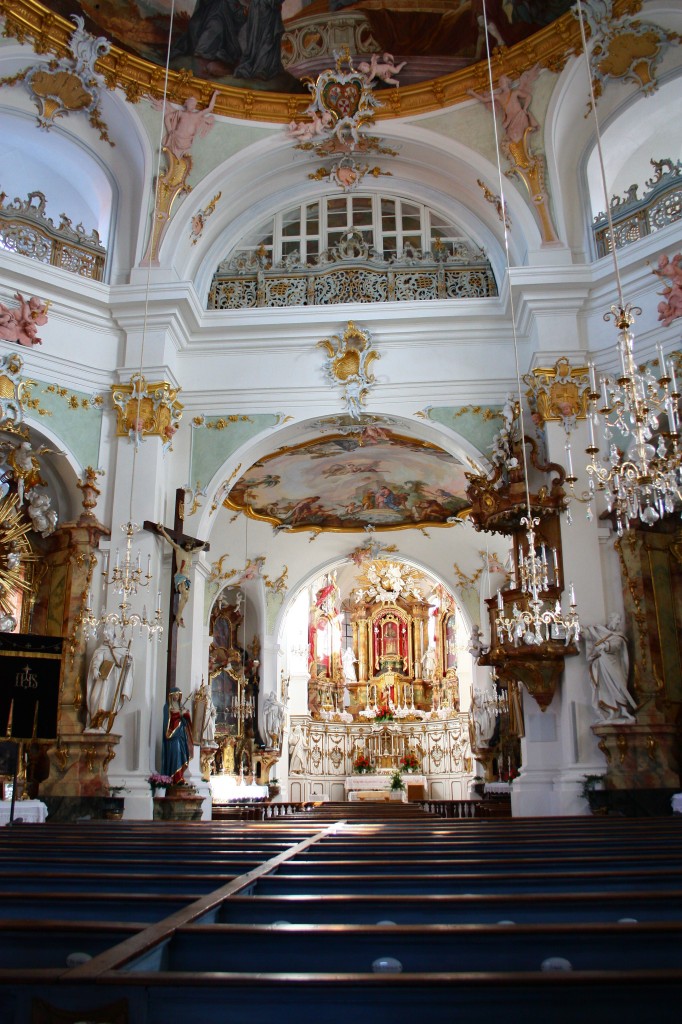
<point x="590" y="427"/>
<point x="500" y="602"/>
<point x="569" y="458"/>
<point x="158" y="601"/>
<point x="593" y="378"/>
<point x="149" y="565"/>
<point x="571" y="594"/>
<point x="673" y="381"/>
<point x="661" y="360"/>
<point x="117" y="558"/>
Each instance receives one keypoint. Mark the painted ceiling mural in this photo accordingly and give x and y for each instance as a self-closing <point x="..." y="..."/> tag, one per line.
<point x="372" y="477"/>
<point x="273" y="44"/>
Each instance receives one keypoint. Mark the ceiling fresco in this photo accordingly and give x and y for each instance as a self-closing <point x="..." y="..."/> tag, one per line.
<point x="372" y="477"/>
<point x="273" y="44"/>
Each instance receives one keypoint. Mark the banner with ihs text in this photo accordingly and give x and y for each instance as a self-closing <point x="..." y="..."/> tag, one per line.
<point x="30" y="678"/>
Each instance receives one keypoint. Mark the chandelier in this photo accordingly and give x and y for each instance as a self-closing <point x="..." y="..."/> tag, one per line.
<point x="125" y="579"/>
<point x="242" y="705"/>
<point x="538" y="622"/>
<point x="533" y="619"/>
<point x="642" y="480"/>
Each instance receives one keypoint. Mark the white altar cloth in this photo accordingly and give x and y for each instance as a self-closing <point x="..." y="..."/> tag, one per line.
<point x="226" y="788"/>
<point x="676" y="801"/>
<point x="380" y="781"/>
<point x="27" y="810"/>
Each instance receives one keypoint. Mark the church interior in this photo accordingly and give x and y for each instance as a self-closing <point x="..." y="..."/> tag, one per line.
<point x="340" y="494"/>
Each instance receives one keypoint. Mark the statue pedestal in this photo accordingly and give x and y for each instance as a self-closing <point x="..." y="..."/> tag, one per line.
<point x="639" y="756"/>
<point x="78" y="764"/>
<point x="181" y="803"/>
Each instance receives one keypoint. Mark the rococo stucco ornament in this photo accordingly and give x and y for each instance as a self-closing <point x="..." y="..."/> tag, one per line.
<point x="71" y="84"/>
<point x="342" y="107"/>
<point x="348" y="363"/>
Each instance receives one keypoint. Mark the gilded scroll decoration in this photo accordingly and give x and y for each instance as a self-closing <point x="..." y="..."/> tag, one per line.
<point x="624" y="49"/>
<point x="348" y="365"/>
<point x="147" y="410"/>
<point x="71" y="84"/>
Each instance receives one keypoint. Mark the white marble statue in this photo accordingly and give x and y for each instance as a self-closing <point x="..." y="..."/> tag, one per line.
<point x="274" y="713"/>
<point x="349" y="661"/>
<point x="429" y="662"/>
<point x="110" y="682"/>
<point x="608" y="661"/>
<point x="297" y="751"/>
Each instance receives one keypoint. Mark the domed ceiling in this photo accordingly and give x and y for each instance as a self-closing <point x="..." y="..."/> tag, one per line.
<point x="273" y="45"/>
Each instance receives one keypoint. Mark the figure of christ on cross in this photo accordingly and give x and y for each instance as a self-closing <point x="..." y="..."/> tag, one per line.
<point x="184" y="547"/>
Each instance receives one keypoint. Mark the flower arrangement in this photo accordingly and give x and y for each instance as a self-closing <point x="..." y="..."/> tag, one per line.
<point x="409" y="763"/>
<point x="157" y="781"/>
<point x="361" y="764"/>
<point x="397" y="784"/>
<point x="384" y="713"/>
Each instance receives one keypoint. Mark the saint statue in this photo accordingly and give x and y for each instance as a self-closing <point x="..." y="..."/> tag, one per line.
<point x="273" y="718"/>
<point x="349" y="661"/>
<point x="109" y="683"/>
<point x="178" y="742"/>
<point x="297" y="751"/>
<point x="204" y="716"/>
<point x="429" y="662"/>
<point x="607" y="658"/>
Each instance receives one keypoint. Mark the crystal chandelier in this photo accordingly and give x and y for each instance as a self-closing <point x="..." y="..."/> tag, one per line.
<point x="125" y="578"/>
<point x="642" y="481"/>
<point x="533" y="620"/>
<point x="538" y="622"/>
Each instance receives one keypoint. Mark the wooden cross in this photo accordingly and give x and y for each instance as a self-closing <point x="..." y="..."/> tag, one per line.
<point x="183" y="545"/>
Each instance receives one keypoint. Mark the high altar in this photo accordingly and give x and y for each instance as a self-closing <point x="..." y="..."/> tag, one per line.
<point x="388" y="699"/>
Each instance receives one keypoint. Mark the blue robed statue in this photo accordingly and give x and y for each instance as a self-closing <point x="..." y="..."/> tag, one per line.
<point x="178" y="744"/>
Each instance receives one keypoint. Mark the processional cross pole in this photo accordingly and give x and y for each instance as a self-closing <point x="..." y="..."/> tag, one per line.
<point x="184" y="547"/>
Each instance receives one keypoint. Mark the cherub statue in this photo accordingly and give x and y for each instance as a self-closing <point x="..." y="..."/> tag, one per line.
<point x="185" y="124"/>
<point x="43" y="517"/>
<point x="385" y="69"/>
<point x="305" y="131"/>
<point x="26" y="468"/>
<point x="21" y="325"/>
<point x="671" y="270"/>
<point x="514" y="101"/>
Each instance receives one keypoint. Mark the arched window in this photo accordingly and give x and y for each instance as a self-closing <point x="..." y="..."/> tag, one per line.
<point x="340" y="248"/>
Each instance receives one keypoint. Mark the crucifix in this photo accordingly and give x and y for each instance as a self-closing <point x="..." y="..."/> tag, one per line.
<point x="184" y="547"/>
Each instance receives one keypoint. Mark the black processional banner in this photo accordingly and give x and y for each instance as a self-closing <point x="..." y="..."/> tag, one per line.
<point x="30" y="676"/>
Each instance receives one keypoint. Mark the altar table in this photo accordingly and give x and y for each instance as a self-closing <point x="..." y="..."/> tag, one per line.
<point x="377" y="783"/>
<point x="27" y="810"/>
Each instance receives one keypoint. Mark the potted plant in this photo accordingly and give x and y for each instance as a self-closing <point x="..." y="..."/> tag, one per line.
<point x="592" y="791"/>
<point x="409" y="763"/>
<point x="274" y="788"/>
<point x="397" y="786"/>
<point x="113" y="803"/>
<point x="157" y="781"/>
